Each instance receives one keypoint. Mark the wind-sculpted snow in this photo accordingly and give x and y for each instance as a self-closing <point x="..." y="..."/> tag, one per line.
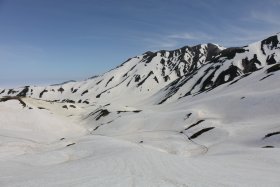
<point x="195" y="116"/>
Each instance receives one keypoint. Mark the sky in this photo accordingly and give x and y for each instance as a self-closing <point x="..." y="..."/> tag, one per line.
<point x="51" y="41"/>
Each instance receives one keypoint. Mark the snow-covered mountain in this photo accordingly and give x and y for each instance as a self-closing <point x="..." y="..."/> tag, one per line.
<point x="184" y="71"/>
<point x="141" y="76"/>
<point x="166" y="118"/>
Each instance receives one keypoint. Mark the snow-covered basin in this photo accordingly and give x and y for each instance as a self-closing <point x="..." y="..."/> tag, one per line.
<point x="105" y="161"/>
<point x="50" y="147"/>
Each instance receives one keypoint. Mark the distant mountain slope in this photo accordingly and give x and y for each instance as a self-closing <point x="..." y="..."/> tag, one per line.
<point x="168" y="74"/>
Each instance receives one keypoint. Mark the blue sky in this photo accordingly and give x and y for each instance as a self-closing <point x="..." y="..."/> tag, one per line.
<point x="51" y="41"/>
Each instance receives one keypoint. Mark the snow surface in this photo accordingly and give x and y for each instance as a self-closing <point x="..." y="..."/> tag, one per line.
<point x="229" y="155"/>
<point x="223" y="137"/>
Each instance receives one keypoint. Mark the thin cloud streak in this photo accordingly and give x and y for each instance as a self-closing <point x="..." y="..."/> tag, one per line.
<point x="266" y="17"/>
<point x="191" y="36"/>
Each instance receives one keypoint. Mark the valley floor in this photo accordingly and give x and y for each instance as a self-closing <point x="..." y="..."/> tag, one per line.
<point x="44" y="144"/>
<point x="105" y="161"/>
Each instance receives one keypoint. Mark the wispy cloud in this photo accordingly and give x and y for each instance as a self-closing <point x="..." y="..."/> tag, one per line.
<point x="191" y="36"/>
<point x="236" y="35"/>
<point x="175" y="40"/>
<point x="160" y="43"/>
<point x="266" y="17"/>
<point x="275" y="2"/>
<point x="256" y="26"/>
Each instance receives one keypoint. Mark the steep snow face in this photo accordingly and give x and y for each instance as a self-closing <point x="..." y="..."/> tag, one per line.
<point x="230" y="65"/>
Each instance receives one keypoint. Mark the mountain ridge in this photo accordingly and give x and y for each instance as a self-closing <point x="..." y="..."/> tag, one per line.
<point x="170" y="70"/>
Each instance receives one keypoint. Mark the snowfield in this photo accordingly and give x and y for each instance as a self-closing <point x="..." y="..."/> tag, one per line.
<point x="213" y="122"/>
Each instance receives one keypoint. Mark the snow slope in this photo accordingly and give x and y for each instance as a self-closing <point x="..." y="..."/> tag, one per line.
<point x="213" y="122"/>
